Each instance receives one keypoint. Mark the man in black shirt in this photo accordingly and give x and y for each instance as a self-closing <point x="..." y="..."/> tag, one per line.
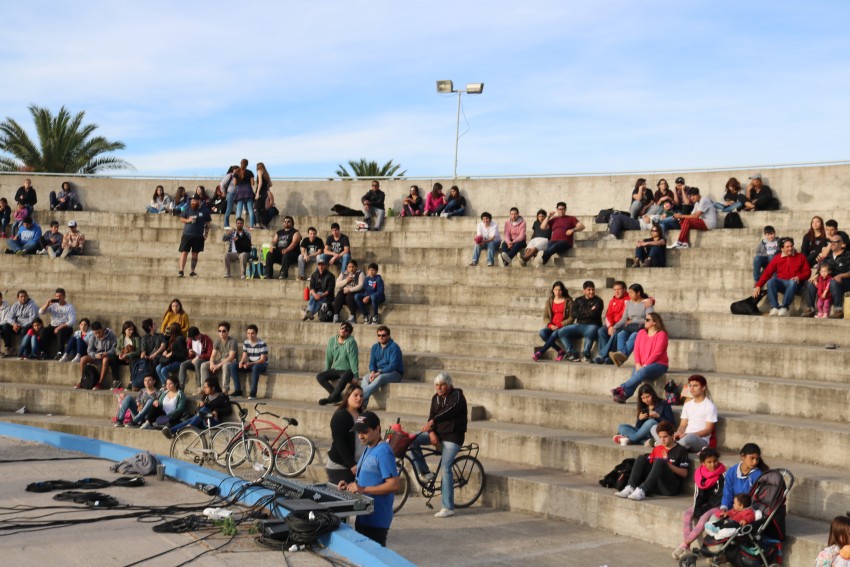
<point x="373" y="205"/>
<point x="196" y="228"/>
<point x="285" y="246"/>
<point x="337" y="248"/>
<point x="311" y="248"/>
<point x="586" y="312"/>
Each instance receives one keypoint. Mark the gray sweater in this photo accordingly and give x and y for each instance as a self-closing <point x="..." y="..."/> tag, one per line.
<point x="633" y="313"/>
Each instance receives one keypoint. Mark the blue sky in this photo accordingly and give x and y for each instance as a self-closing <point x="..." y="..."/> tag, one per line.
<point x="570" y="86"/>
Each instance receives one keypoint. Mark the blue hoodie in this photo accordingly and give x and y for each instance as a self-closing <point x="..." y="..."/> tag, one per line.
<point x="734" y="484"/>
<point x="26" y="235"/>
<point x="386" y="359"/>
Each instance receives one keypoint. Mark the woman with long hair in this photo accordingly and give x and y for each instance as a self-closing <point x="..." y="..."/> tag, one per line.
<point x="651" y="360"/>
<point x="814" y="241"/>
<point x="555" y="315"/>
<point x="175" y="353"/>
<point x="837" y="552"/>
<point x="630" y="323"/>
<point x="160" y="202"/>
<point x="244" y="179"/>
<point x="539" y="238"/>
<point x="455" y="203"/>
<point x="175" y="314"/>
<point x="412" y="204"/>
<point x="181" y="201"/>
<point x="733" y="199"/>
<point x="170" y="406"/>
<point x="651" y="410"/>
<point x="228" y="187"/>
<point x="435" y="201"/>
<point x="264" y="183"/>
<point x="129" y="346"/>
<point x="651" y="252"/>
<point x="218" y="201"/>
<point x="345" y="446"/>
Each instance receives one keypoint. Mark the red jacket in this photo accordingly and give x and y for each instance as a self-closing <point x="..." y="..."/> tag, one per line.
<point x="785" y="268"/>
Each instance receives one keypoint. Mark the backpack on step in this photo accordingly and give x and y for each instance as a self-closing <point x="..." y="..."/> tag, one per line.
<point x="619" y="477"/>
<point x="138" y="370"/>
<point x="90" y="377"/>
<point x="326" y="314"/>
<point x="733" y="220"/>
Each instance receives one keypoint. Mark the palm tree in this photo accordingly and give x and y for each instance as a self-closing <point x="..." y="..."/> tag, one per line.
<point x="365" y="168"/>
<point x="64" y="145"/>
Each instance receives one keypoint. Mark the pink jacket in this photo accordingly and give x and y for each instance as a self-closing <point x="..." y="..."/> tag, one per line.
<point x="432" y="203"/>
<point x="649" y="350"/>
<point x="514" y="232"/>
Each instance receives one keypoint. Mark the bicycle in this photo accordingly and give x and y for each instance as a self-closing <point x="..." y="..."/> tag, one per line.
<point x="468" y="473"/>
<point x="246" y="456"/>
<point x="292" y="455"/>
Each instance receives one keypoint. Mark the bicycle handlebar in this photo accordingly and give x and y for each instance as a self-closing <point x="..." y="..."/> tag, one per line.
<point x="288" y="420"/>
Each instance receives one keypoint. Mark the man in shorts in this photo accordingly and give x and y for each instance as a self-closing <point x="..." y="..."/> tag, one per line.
<point x="196" y="227"/>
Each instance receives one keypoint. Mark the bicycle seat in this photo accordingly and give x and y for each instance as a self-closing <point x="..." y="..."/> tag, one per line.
<point x="243" y="413"/>
<point x="291" y="421"/>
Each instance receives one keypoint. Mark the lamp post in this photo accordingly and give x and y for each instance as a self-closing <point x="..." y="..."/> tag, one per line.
<point x="448" y="87"/>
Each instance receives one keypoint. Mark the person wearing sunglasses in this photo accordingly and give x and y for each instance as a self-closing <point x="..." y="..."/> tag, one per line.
<point x="385" y="364"/>
<point x="651" y="252"/>
<point x="223" y="353"/>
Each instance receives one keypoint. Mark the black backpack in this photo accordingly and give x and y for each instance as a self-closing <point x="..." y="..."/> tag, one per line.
<point x="604" y="216"/>
<point x="747" y="306"/>
<point x="90" y="377"/>
<point x="138" y="370"/>
<point x="326" y="314"/>
<point x="619" y="477"/>
<point x="733" y="220"/>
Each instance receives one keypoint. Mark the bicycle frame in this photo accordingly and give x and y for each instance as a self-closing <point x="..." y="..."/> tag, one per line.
<point x="430" y="488"/>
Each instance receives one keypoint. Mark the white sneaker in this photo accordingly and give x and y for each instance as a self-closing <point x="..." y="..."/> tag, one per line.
<point x="773" y="312"/>
<point x="444" y="513"/>
<point x="637" y="494"/>
<point x="77" y="358"/>
<point x="65" y="358"/>
<point x="41" y="252"/>
<point x="625" y="493"/>
<point x="609" y="237"/>
<point x="783" y="312"/>
<point x="444" y="215"/>
<point x="51" y="252"/>
<point x="146" y="425"/>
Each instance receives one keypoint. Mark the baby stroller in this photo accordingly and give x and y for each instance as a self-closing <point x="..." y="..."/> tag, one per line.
<point x="758" y="544"/>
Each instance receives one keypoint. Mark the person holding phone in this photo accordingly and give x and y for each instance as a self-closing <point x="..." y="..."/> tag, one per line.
<point x="663" y="471"/>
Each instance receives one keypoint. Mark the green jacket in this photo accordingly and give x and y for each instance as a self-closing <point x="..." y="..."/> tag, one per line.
<point x="342" y="356"/>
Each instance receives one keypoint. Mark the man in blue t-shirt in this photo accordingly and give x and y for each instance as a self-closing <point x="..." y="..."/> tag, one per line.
<point x="377" y="476"/>
<point x="196" y="227"/>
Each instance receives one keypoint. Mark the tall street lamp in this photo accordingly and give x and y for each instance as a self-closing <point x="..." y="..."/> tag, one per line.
<point x="448" y="87"/>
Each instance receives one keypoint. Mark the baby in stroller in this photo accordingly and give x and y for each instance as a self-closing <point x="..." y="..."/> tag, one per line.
<point x="741" y="514"/>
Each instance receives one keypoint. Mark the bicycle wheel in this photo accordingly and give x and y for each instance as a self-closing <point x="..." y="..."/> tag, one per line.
<point x="189" y="445"/>
<point x="250" y="458"/>
<point x="221" y="440"/>
<point x="469" y="480"/>
<point x="294" y="455"/>
<point x="403" y="490"/>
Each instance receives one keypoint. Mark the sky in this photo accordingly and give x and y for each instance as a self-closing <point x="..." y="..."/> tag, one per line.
<point x="569" y="87"/>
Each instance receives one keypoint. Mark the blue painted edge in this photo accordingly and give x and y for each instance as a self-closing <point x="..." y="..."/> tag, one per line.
<point x="344" y="541"/>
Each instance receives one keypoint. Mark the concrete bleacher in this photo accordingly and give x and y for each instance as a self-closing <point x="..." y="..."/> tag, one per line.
<point x="544" y="428"/>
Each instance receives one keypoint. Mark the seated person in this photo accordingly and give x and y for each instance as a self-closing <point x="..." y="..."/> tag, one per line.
<point x="663" y="471"/>
<point x="174" y="354"/>
<point x="651" y="252"/>
<point x="337" y="248"/>
<point x="101" y="352"/>
<point x="27" y="240"/>
<point x="373" y="206"/>
<point x="486" y="236"/>
<point x="832" y="228"/>
<point x="200" y="351"/>
<point x="19" y="215"/>
<point x="5" y="217"/>
<point x="255" y="359"/>
<point x="212" y="410"/>
<point x="341" y="364"/>
<point x="435" y="201"/>
<point x="765" y="251"/>
<point x="725" y="524"/>
<point x="312" y="248"/>
<point x="321" y="290"/>
<point x="642" y="199"/>
<point x="26" y="194"/>
<point x="759" y="196"/>
<point x="139" y="407"/>
<point x="386" y="365"/>
<point x="285" y="249"/>
<point x="349" y="283"/>
<point x="160" y="202"/>
<point x="72" y="242"/>
<point x="455" y="204"/>
<point x="838" y="262"/>
<point x="237" y="247"/>
<point x="31" y="346"/>
<point x="663" y="190"/>
<point x="223" y="353"/>
<point x="19" y="318"/>
<point x="681" y="204"/>
<point x="514" y="237"/>
<point x="563" y="227"/>
<point x="51" y="242"/>
<point x="181" y="202"/>
<point x="703" y="217"/>
<point x="539" y="238"/>
<point x="412" y="205"/>
<point x="733" y="199"/>
<point x="791" y="270"/>
<point x="372" y="296"/>
<point x="65" y="200"/>
<point x="218" y="203"/>
<point x="77" y="346"/>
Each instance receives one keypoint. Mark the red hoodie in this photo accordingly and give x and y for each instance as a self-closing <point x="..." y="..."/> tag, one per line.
<point x="785" y="268"/>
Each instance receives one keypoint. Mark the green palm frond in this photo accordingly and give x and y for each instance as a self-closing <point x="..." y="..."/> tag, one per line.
<point x="364" y="168"/>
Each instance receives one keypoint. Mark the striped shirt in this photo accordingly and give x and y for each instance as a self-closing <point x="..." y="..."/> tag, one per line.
<point x="256" y="350"/>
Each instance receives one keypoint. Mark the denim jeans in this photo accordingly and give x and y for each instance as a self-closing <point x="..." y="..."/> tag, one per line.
<point x="759" y="264"/>
<point x="379" y="214"/>
<point x="453" y="208"/>
<point x="199" y="421"/>
<point x="626" y="342"/>
<point x="380" y="380"/>
<point x="255" y="371"/>
<point x="228" y="209"/>
<point x="513" y="249"/>
<point x="606" y="341"/>
<point x="576" y="330"/>
<point x="313" y="305"/>
<point x="648" y="372"/>
<point x="551" y="338"/>
<point x="656" y="254"/>
<point x="637" y="435"/>
<point x="76" y="347"/>
<point x="30" y="346"/>
<point x="152" y="210"/>
<point x="667" y="224"/>
<point x="245" y="204"/>
<point x="450" y="451"/>
<point x="728" y="208"/>
<point x="555" y="247"/>
<point x="346" y="258"/>
<point x="129" y="403"/>
<point x="28" y="247"/>
<point x="788" y="288"/>
<point x="375" y="301"/>
<point x="162" y="370"/>
<point x="491" y="252"/>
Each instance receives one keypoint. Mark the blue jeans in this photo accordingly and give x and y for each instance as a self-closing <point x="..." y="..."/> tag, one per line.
<point x="550" y="337"/>
<point x="555" y="247"/>
<point x="637" y="435"/>
<point x="606" y="341"/>
<point x="453" y="208"/>
<point x="380" y="380"/>
<point x="667" y="224"/>
<point x="656" y="254"/>
<point x="513" y="249"/>
<point x="576" y="330"/>
<point x="255" y="371"/>
<point x="162" y="370"/>
<point x="626" y="342"/>
<point x="491" y="251"/>
<point x="30" y="346"/>
<point x="450" y="451"/>
<point x="346" y="258"/>
<point x="648" y="372"/>
<point x="375" y="301"/>
<point x="28" y="247"/>
<point x="76" y="346"/>
<point x="836" y="290"/>
<point x="153" y="210"/>
<point x="759" y="264"/>
<point x="228" y="209"/>
<point x="129" y="403"/>
<point x="314" y="304"/>
<point x="199" y="421"/>
<point x="245" y="204"/>
<point x="728" y="208"/>
<point x="788" y="288"/>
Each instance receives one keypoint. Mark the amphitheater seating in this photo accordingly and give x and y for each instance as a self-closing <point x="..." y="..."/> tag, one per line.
<point x="544" y="428"/>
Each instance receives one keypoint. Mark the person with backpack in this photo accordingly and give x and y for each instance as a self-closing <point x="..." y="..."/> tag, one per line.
<point x="101" y="351"/>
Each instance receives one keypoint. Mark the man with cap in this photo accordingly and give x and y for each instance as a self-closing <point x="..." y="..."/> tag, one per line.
<point x="703" y="217"/>
<point x="72" y="242"/>
<point x="321" y="289"/>
<point x="759" y="195"/>
<point x="51" y="242"/>
<point x="196" y="227"/>
<point x="446" y="430"/>
<point x="377" y="477"/>
<point x="680" y="197"/>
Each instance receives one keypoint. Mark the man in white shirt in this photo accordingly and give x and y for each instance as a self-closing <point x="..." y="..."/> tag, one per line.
<point x="704" y="217"/>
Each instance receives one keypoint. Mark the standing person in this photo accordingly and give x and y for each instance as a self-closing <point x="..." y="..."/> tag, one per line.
<point x="556" y="314"/>
<point x="337" y="248"/>
<point x="373" y="206"/>
<point x="311" y="249"/>
<point x="651" y="360"/>
<point x="321" y="289"/>
<point x="837" y="552"/>
<point x="539" y="238"/>
<point x="377" y="477"/>
<point x="386" y="364"/>
<point x="19" y="318"/>
<point x="244" y="179"/>
<point x="200" y="351"/>
<point x="271" y="210"/>
<point x="791" y="271"/>
<point x="607" y="338"/>
<point x="63" y="319"/>
<point x="101" y="351"/>
<point x="255" y="359"/>
<point x="699" y="417"/>
<point x="662" y="471"/>
<point x="223" y="353"/>
<point x="285" y="246"/>
<point x="228" y="187"/>
<point x="264" y="183"/>
<point x="372" y="296"/>
<point x="445" y="430"/>
<point x="703" y="217"/>
<point x="708" y="479"/>
<point x="348" y="284"/>
<point x="72" y="242"/>
<point x="238" y="247"/>
<point x="514" y="241"/>
<point x="742" y="476"/>
<point x="435" y="201"/>
<point x="340" y="364"/>
<point x="196" y="227"/>
<point x="345" y="449"/>
<point x="563" y="227"/>
<point x="487" y="236"/>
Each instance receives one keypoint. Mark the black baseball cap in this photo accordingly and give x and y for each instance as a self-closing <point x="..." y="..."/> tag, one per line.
<point x="680" y="181"/>
<point x="365" y="421"/>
